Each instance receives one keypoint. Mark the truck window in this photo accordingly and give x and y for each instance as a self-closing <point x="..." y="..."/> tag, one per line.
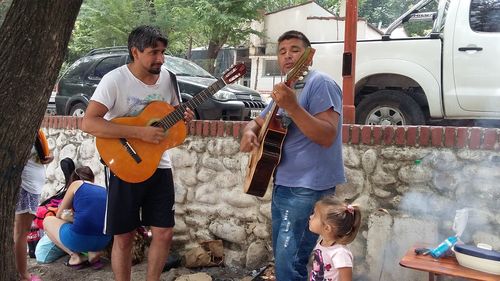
<point x="485" y="15"/>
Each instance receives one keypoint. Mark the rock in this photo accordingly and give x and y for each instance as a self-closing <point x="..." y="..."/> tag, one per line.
<point x="229" y="230"/>
<point x="257" y="255"/>
<point x="369" y="161"/>
<point x="201" y="276"/>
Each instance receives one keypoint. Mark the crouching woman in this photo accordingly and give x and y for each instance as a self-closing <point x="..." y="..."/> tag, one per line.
<point x="84" y="231"/>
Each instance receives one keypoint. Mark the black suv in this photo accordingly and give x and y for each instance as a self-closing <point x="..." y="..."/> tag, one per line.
<point x="77" y="84"/>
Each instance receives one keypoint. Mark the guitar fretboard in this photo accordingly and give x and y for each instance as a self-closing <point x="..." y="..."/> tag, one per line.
<point x="178" y="114"/>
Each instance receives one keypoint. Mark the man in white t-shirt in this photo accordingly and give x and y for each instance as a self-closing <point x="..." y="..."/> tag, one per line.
<point x="125" y="91"/>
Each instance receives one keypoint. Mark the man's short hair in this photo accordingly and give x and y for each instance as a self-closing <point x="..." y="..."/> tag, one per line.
<point x="145" y="36"/>
<point x="294" y="34"/>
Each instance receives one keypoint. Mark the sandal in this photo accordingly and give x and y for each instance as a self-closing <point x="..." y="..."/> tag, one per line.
<point x="97" y="264"/>
<point x="79" y="266"/>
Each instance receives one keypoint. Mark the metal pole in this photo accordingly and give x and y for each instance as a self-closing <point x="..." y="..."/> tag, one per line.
<point x="349" y="60"/>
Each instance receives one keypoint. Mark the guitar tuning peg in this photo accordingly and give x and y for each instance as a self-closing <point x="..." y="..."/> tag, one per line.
<point x="304" y="73"/>
<point x="301" y="78"/>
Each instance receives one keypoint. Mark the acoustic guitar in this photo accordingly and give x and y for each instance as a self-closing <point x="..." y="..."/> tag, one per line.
<point x="41" y="145"/>
<point x="134" y="160"/>
<point x="264" y="159"/>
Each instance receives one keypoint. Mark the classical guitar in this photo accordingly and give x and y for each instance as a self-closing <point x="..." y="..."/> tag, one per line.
<point x="41" y="145"/>
<point x="134" y="160"/>
<point x="264" y="159"/>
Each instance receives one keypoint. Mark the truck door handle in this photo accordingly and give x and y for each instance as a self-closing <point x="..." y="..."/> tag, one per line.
<point x="465" y="49"/>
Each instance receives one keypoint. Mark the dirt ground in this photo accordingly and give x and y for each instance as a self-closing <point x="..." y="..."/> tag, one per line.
<point x="57" y="271"/>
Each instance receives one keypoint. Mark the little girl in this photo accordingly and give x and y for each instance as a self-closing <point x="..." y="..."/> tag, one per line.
<point x="337" y="224"/>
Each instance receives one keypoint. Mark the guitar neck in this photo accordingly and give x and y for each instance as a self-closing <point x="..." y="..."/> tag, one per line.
<point x="178" y="114"/>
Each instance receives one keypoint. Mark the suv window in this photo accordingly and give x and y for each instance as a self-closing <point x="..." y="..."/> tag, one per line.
<point x="182" y="67"/>
<point x="78" y="69"/>
<point x="106" y="65"/>
<point x="485" y="15"/>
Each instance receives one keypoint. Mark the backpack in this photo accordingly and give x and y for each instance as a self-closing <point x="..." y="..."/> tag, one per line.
<point x="50" y="205"/>
<point x="48" y="209"/>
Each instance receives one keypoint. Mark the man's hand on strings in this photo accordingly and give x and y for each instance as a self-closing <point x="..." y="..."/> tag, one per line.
<point x="284" y="97"/>
<point x="188" y="115"/>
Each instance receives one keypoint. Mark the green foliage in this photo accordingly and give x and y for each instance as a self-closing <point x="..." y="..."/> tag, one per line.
<point x="384" y="12"/>
<point x="227" y="21"/>
<point x="188" y="23"/>
<point x="275" y="5"/>
<point x="4" y="7"/>
<point x="198" y="23"/>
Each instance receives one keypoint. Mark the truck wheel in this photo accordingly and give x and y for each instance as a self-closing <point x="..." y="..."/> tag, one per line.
<point x="78" y="110"/>
<point x="389" y="107"/>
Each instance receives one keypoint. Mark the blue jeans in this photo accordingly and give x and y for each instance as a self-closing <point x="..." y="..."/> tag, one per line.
<point x="292" y="240"/>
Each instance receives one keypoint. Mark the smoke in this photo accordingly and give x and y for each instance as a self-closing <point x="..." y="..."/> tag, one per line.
<point x="470" y="186"/>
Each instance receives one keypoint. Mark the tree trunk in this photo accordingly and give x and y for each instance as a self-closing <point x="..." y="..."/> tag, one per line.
<point x="33" y="42"/>
<point x="212" y="52"/>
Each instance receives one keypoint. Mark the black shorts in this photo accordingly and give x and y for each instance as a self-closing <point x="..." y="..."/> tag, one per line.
<point x="149" y="203"/>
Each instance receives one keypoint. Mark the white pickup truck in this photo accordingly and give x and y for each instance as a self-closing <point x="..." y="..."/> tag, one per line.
<point x="452" y="73"/>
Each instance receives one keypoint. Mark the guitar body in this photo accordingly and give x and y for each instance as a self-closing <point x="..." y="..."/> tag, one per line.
<point x="264" y="159"/>
<point x="119" y="160"/>
<point x="41" y="145"/>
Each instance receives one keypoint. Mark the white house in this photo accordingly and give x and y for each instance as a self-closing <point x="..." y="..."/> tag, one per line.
<point x="316" y="22"/>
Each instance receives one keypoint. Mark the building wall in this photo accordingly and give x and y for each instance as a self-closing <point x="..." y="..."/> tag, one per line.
<point x="294" y="18"/>
<point x="316" y="23"/>
<point x="404" y="203"/>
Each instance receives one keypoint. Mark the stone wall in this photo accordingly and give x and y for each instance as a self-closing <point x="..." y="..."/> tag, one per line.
<point x="404" y="201"/>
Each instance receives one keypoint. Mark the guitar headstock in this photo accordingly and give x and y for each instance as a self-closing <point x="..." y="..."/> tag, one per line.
<point x="234" y="73"/>
<point x="301" y="67"/>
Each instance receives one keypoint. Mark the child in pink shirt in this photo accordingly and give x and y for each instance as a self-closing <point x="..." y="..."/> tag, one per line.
<point x="337" y="224"/>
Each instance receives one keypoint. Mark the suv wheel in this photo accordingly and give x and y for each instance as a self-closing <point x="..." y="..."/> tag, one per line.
<point x="78" y="110"/>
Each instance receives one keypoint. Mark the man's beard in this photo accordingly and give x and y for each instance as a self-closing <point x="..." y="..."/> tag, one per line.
<point x="154" y="70"/>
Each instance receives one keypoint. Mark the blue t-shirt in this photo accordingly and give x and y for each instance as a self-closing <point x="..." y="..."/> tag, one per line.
<point x="89" y="205"/>
<point x="303" y="162"/>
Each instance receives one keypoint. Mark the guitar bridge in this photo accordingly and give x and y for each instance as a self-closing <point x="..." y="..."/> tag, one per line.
<point x="130" y="150"/>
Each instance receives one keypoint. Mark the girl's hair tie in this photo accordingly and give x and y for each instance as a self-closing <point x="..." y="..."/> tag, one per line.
<point x="350" y="209"/>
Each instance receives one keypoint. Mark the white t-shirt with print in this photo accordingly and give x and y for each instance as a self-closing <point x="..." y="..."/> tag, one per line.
<point x="327" y="260"/>
<point x="125" y="95"/>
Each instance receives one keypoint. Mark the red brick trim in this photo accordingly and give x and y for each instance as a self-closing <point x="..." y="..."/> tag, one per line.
<point x="410" y="136"/>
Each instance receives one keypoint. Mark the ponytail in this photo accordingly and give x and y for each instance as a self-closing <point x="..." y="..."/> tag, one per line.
<point x="355" y="213"/>
<point x="344" y="218"/>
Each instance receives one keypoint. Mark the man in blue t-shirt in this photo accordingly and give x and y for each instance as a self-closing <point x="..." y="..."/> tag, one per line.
<point x="311" y="162"/>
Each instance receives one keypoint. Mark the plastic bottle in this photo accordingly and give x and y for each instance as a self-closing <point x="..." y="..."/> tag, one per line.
<point x="33" y="238"/>
<point x="443" y="247"/>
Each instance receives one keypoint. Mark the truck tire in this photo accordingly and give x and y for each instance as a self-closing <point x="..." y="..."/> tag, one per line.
<point x="78" y="110"/>
<point x="389" y="107"/>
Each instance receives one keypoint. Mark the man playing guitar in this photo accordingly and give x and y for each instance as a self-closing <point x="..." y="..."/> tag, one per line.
<point x="311" y="162"/>
<point x="125" y="91"/>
